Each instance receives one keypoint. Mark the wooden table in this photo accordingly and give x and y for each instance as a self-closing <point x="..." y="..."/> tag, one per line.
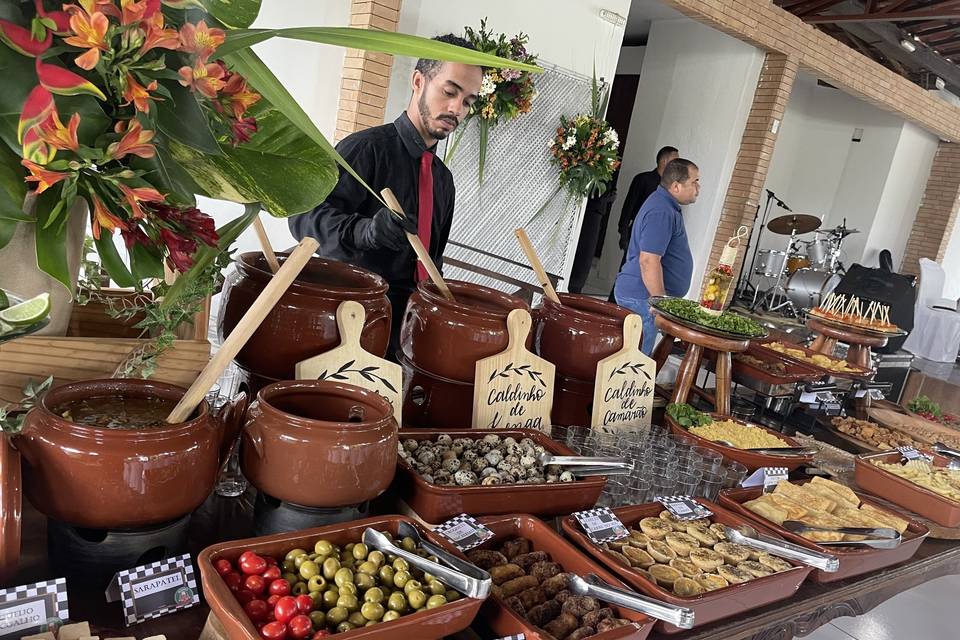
<point x="696" y="342"/>
<point x="860" y="343"/>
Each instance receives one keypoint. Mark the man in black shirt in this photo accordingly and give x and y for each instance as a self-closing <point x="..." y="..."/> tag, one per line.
<point x="642" y="185"/>
<point x="353" y="226"/>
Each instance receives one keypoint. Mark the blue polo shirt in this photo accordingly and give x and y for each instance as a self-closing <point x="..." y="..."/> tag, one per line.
<point x="658" y="229"/>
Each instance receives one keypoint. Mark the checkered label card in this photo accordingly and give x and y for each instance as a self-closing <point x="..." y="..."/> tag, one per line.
<point x="519" y="636"/>
<point x="152" y="590"/>
<point x="601" y="525"/>
<point x="766" y="477"/>
<point x="464" y="532"/>
<point x="909" y="453"/>
<point x="33" y="608"/>
<point x="684" y="507"/>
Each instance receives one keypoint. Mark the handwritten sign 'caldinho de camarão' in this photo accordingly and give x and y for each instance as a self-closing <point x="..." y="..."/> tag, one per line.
<point x="623" y="391"/>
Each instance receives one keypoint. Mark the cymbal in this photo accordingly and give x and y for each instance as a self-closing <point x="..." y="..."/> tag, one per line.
<point x="794" y="222"/>
<point x="841" y="231"/>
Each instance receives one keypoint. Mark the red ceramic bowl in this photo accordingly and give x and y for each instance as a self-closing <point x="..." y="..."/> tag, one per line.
<point x="572" y="402"/>
<point x="432" y="624"/>
<point x="432" y="402"/>
<point x="922" y="501"/>
<point x="711" y="606"/>
<point x="761" y="349"/>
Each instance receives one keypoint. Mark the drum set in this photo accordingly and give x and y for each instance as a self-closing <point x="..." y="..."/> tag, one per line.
<point x="806" y="271"/>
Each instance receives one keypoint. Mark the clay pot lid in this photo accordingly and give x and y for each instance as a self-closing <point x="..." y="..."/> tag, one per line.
<point x="331" y="278"/>
<point x="588" y="309"/>
<point x="11" y="504"/>
<point x="369" y="399"/>
<point x="473" y="299"/>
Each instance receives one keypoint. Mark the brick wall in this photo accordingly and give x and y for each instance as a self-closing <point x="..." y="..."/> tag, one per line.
<point x="938" y="210"/>
<point x="756" y="148"/>
<point x="366" y="74"/>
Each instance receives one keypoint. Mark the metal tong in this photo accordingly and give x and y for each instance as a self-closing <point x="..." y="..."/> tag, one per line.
<point x="592" y="585"/>
<point x="949" y="452"/>
<point x="877" y="537"/>
<point x="749" y="537"/>
<point x="588" y="466"/>
<point x="773" y="451"/>
<point x="469" y="580"/>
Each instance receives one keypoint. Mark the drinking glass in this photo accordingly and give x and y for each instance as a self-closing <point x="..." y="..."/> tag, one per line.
<point x="710" y="485"/>
<point x="687" y="482"/>
<point x="641" y="491"/>
<point x="734" y="474"/>
<point x="711" y="460"/>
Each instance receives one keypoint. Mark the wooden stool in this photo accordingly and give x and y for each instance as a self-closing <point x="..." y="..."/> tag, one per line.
<point x="690" y="366"/>
<point x="859" y="353"/>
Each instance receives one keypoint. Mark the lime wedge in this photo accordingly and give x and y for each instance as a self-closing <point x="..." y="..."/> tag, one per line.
<point x="27" y="312"/>
<point x="4" y="328"/>
<point x="4" y="300"/>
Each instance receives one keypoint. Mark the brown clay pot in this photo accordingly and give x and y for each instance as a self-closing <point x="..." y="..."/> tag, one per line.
<point x="434" y="403"/>
<point x="304" y="321"/>
<point x="578" y="333"/>
<point x="118" y="478"/>
<point x="572" y="402"/>
<point x="447" y="338"/>
<point x="320" y="443"/>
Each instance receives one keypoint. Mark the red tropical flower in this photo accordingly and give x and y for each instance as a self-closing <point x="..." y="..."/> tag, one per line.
<point x="138" y="94"/>
<point x="37" y="108"/>
<point x="133" y="236"/>
<point x="132" y="11"/>
<point x="58" y="136"/>
<point x="135" y="141"/>
<point x="90" y="32"/>
<point x="243" y="129"/>
<point x="157" y="37"/>
<point x="135" y="195"/>
<point x="102" y="218"/>
<point x="200" y="40"/>
<point x="206" y="79"/>
<point x="35" y="149"/>
<point x="64" y="82"/>
<point x="181" y="249"/>
<point x="238" y="95"/>
<point x="43" y="177"/>
<point x="21" y="39"/>
<point x="60" y="18"/>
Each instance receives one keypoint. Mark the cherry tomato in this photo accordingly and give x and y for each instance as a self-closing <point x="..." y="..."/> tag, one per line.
<point x="234" y="581"/>
<point x="272" y="573"/>
<point x="274" y="631"/>
<point x="322" y="633"/>
<point x="279" y="587"/>
<point x="286" y="608"/>
<point x="257" y="610"/>
<point x="245" y="595"/>
<point x="255" y="583"/>
<point x="223" y="566"/>
<point x="304" y="604"/>
<point x="252" y="564"/>
<point x="272" y="601"/>
<point x="271" y="561"/>
<point x="245" y="554"/>
<point x="300" y="627"/>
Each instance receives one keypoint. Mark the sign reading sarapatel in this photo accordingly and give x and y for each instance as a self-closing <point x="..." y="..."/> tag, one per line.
<point x="152" y="590"/>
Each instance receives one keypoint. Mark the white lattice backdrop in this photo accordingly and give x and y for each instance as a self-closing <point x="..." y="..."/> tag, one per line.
<point x="518" y="180"/>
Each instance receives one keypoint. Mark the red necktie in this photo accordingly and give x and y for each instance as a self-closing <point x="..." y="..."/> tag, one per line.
<point x="425" y="211"/>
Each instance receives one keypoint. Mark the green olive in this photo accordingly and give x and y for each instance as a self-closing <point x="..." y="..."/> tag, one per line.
<point x="343" y="575"/>
<point x="293" y="554"/>
<point x="308" y="569"/>
<point x="417" y="599"/>
<point x="374" y="594"/>
<point x="420" y="552"/>
<point x="349" y="602"/>
<point x="436" y="601"/>
<point x="344" y="555"/>
<point x="437" y="588"/>
<point x="370" y="568"/>
<point x="349" y="587"/>
<point x="356" y="619"/>
<point x="349" y="546"/>
<point x="372" y="610"/>
<point x="390" y="615"/>
<point x="330" y="568"/>
<point x="330" y="597"/>
<point x="337" y="615"/>
<point x="318" y="618"/>
<point x="360" y="551"/>
<point x="313" y="556"/>
<point x="397" y="602"/>
<point x="401" y="565"/>
<point x="316" y="583"/>
<point x="344" y="626"/>
<point x="292" y="578"/>
<point x="433" y="558"/>
<point x="408" y="544"/>
<point x="376" y="557"/>
<point x="370" y="623"/>
<point x="299" y="560"/>
<point x="289" y="565"/>
<point x="386" y="574"/>
<point x="323" y="547"/>
<point x="451" y="595"/>
<point x="401" y="578"/>
<point x="364" y="581"/>
<point x="317" y="597"/>
<point x="300" y="589"/>
<point x="412" y="585"/>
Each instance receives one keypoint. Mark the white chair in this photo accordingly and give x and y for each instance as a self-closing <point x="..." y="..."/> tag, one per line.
<point x="936" y="328"/>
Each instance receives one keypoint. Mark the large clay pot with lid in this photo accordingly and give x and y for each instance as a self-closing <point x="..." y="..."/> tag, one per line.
<point x="104" y="478"/>
<point x="578" y="333"/>
<point x="320" y="443"/>
<point x="303" y="323"/>
<point x="446" y="338"/>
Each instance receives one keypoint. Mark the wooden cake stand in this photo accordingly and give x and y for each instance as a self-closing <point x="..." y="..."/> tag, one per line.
<point x="859" y="353"/>
<point x="697" y="341"/>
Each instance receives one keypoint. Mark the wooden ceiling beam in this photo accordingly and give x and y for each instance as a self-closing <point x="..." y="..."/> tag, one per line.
<point x="902" y="16"/>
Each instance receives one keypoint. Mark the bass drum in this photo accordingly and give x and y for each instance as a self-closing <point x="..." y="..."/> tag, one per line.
<point x="807" y="287"/>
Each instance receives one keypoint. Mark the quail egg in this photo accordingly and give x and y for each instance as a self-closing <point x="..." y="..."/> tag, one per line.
<point x="566" y="476"/>
<point x="444" y="439"/>
<point x="490" y="480"/>
<point x="465" y="478"/>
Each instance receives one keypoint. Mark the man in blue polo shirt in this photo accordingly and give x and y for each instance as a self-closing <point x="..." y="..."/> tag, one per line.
<point x="658" y="257"/>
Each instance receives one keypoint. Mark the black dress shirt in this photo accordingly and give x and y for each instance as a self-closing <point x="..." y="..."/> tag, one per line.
<point x="642" y="185"/>
<point x="384" y="156"/>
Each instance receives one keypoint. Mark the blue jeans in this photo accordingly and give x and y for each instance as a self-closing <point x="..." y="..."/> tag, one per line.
<point x="641" y="308"/>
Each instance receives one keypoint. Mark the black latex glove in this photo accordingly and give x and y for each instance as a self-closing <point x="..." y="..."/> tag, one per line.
<point x="385" y="230"/>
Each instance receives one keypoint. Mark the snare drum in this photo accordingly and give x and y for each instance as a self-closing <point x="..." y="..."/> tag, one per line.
<point x="770" y="263"/>
<point x="818" y="251"/>
<point x="807" y="287"/>
<point x="797" y="261"/>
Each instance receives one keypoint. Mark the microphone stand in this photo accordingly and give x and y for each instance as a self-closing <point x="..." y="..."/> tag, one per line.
<point x="771" y="197"/>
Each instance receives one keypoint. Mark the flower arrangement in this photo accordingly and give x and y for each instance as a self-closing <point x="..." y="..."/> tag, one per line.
<point x="505" y="93"/>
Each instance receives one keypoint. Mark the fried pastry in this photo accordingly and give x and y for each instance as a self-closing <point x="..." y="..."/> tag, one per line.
<point x="773" y="562"/>
<point x="687" y="587"/>
<point x="622" y="559"/>
<point x="706" y="559"/>
<point x="734" y="575"/>
<point x="638" y="557"/>
<point x="682" y="543"/>
<point x="665" y="575"/>
<point x="717" y="529"/>
<point x="732" y="553"/>
<point x="638" y="539"/>
<point x="686" y="566"/>
<point x="755" y="568"/>
<point x="655" y="528"/>
<point x="677" y="523"/>
<point x="711" y="581"/>
<point x="703" y="534"/>
<point x="661" y="551"/>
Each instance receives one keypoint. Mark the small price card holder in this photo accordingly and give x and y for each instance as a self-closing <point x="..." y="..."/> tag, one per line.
<point x="156" y="589"/>
<point x="767" y="477"/>
<point x="33" y="608"/>
<point x="601" y="525"/>
<point x="464" y="532"/>
<point x="684" y="507"/>
<point x="519" y="636"/>
<point x="909" y="453"/>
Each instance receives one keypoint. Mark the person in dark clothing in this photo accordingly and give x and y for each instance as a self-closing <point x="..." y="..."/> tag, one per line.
<point x="642" y="185"/>
<point x="353" y="226"/>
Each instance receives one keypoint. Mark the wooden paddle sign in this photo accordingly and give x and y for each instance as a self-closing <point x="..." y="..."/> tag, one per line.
<point x="350" y="363"/>
<point x="513" y="388"/>
<point x="623" y="391"/>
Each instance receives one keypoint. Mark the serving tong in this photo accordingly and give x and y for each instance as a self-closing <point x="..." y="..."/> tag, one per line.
<point x="876" y="537"/>
<point x="466" y="578"/>
<point x="587" y="465"/>
<point x="749" y="537"/>
<point x="773" y="451"/>
<point x="592" y="585"/>
<point x="949" y="452"/>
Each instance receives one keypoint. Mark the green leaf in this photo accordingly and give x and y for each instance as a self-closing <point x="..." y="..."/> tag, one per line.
<point x="7" y="229"/>
<point x="112" y="262"/>
<point x="167" y="175"/>
<point x="237" y="14"/>
<point x="183" y="120"/>
<point x="400" y="44"/>
<point x="145" y="263"/>
<point x="51" y="240"/>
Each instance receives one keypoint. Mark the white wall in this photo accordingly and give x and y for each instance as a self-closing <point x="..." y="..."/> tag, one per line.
<point x="696" y="87"/>
<point x="631" y="61"/>
<point x="951" y="265"/>
<point x="310" y="72"/>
